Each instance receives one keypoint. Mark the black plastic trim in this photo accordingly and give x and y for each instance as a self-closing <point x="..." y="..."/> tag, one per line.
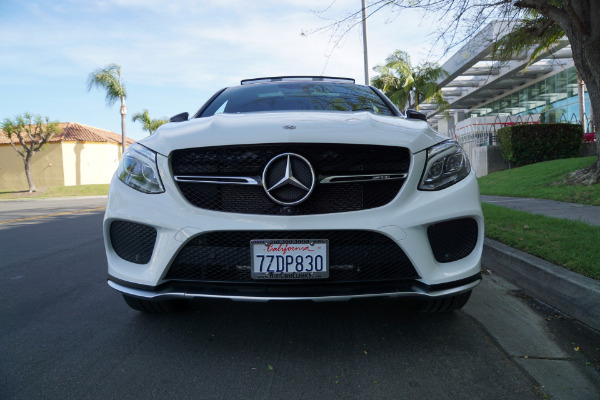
<point x="315" y="78"/>
<point x="289" y="290"/>
<point x="179" y="117"/>
<point x="131" y="284"/>
<point x="412" y="114"/>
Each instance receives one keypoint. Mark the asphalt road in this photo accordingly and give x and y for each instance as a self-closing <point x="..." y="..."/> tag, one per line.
<point x="64" y="334"/>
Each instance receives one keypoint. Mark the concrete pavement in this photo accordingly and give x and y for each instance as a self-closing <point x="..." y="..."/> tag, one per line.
<point x="571" y="293"/>
<point x="498" y="315"/>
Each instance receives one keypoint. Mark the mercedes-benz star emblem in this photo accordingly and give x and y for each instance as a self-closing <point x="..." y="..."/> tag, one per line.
<point x="288" y="179"/>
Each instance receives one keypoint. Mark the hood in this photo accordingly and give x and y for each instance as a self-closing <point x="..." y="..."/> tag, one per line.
<point x="293" y="127"/>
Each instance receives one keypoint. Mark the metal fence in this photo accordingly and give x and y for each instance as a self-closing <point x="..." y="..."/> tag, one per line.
<point x="482" y="131"/>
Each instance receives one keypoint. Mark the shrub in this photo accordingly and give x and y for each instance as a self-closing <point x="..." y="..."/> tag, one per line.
<point x="531" y="143"/>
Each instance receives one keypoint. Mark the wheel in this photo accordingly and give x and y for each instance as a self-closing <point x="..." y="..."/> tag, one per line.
<point x="154" y="306"/>
<point x="445" y="304"/>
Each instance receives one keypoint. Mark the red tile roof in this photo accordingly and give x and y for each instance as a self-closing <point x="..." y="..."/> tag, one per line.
<point x="72" y="131"/>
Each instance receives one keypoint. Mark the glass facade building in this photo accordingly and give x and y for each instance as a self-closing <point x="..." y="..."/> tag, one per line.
<point x="554" y="99"/>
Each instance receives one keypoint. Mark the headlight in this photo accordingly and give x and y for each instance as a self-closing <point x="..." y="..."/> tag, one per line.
<point x="447" y="164"/>
<point x="138" y="170"/>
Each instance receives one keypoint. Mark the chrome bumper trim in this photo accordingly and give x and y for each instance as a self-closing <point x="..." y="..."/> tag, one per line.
<point x="166" y="295"/>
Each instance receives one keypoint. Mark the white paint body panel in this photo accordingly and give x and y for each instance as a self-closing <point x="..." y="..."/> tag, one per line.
<point x="405" y="219"/>
<point x="310" y="127"/>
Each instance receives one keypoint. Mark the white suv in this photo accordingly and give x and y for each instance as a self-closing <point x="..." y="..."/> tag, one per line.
<point x="292" y="188"/>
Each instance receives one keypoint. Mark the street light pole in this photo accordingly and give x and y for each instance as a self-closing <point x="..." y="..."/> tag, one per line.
<point x="364" y="26"/>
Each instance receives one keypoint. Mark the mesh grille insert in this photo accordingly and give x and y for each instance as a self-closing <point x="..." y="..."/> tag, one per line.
<point x="326" y="159"/>
<point x="453" y="240"/>
<point x="132" y="242"/>
<point x="354" y="256"/>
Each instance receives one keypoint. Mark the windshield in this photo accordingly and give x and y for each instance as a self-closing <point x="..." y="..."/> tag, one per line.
<point x="297" y="96"/>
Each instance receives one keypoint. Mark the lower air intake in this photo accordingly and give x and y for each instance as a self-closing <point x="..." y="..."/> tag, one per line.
<point x="354" y="256"/>
<point x="132" y="242"/>
<point x="453" y="240"/>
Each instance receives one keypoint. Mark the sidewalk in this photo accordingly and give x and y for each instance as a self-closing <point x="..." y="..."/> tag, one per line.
<point x="550" y="208"/>
<point x="571" y="293"/>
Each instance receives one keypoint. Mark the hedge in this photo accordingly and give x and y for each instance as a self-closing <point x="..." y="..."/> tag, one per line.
<point x="531" y="143"/>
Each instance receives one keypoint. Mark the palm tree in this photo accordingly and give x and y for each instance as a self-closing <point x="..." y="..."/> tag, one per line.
<point x="109" y="78"/>
<point x="148" y="124"/>
<point x="404" y="84"/>
<point x="391" y="85"/>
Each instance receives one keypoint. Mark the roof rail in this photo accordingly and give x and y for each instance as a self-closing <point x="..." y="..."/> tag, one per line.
<point x="297" y="78"/>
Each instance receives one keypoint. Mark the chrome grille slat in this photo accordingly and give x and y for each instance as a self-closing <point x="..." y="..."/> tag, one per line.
<point x="225" y="180"/>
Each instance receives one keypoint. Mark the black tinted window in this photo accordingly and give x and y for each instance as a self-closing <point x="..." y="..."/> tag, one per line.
<point x="285" y="96"/>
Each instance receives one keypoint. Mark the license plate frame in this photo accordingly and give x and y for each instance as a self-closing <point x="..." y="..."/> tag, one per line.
<point x="270" y="259"/>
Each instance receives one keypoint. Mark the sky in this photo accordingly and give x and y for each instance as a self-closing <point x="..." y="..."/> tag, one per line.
<point x="175" y="54"/>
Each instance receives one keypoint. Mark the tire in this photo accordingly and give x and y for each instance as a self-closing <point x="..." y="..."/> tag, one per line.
<point x="154" y="306"/>
<point x="445" y="304"/>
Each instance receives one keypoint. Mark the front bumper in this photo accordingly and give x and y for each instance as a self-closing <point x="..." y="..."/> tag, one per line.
<point x="405" y="221"/>
<point x="314" y="292"/>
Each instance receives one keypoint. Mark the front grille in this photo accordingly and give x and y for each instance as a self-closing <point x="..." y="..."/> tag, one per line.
<point x="326" y="159"/>
<point x="453" y="240"/>
<point x="354" y="256"/>
<point x="132" y="242"/>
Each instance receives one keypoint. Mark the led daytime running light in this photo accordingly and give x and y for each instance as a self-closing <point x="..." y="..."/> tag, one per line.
<point x="139" y="171"/>
<point x="446" y="165"/>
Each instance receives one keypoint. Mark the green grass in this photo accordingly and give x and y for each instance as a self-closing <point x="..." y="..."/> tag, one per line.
<point x="571" y="244"/>
<point x="537" y="180"/>
<point x="57" y="191"/>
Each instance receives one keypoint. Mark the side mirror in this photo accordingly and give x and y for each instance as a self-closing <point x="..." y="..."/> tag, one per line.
<point x="412" y="114"/>
<point x="179" y="117"/>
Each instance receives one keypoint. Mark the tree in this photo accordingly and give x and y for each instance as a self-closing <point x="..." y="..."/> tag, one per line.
<point x="148" y="124"/>
<point x="109" y="78"/>
<point x="32" y="134"/>
<point x="535" y="32"/>
<point x="404" y="84"/>
<point x="391" y="84"/>
<point x="461" y="20"/>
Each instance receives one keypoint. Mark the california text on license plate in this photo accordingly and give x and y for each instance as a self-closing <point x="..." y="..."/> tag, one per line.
<point x="290" y="258"/>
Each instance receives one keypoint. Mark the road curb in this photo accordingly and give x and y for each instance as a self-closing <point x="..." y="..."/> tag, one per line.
<point x="569" y="292"/>
<point x="105" y="196"/>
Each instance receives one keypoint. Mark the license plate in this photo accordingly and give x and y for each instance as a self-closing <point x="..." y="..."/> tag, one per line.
<point x="290" y="258"/>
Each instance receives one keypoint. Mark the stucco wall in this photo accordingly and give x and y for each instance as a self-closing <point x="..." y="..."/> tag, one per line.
<point x="87" y="163"/>
<point x="46" y="168"/>
<point x="485" y="159"/>
<point x="61" y="164"/>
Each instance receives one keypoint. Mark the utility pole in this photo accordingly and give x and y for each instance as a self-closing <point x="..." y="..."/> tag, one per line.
<point x="364" y="26"/>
